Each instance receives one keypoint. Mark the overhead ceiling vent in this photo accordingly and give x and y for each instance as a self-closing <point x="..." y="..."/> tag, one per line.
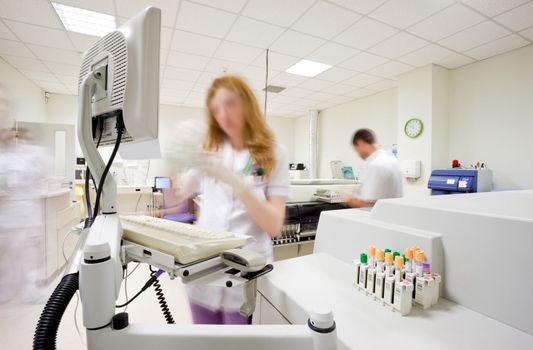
<point x="273" y="88"/>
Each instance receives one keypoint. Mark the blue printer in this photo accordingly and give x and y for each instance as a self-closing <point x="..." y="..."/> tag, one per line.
<point x="450" y="181"/>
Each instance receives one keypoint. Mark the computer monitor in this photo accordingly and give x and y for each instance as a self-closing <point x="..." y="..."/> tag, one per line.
<point x="128" y="60"/>
<point x="161" y="182"/>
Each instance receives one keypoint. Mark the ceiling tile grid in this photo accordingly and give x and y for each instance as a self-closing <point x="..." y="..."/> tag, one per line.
<point x="368" y="43"/>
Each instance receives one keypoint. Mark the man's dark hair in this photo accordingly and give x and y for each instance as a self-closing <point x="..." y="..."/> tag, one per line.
<point x="365" y="135"/>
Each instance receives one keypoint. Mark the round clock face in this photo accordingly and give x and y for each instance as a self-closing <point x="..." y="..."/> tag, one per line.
<point x="413" y="128"/>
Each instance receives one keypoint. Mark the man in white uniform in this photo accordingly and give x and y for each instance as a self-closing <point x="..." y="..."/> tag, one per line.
<point x="381" y="178"/>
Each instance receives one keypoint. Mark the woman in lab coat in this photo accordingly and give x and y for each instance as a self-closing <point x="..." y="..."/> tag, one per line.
<point x="244" y="190"/>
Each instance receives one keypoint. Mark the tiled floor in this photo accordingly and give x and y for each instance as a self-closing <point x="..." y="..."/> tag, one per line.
<point x="18" y="320"/>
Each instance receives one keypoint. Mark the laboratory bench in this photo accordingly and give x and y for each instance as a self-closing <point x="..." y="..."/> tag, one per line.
<point x="288" y="294"/>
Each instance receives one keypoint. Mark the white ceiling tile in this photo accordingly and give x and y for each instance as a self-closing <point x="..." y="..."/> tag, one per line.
<point x="297" y="92"/>
<point x="30" y="11"/>
<point x="362" y="93"/>
<point x="446" y="23"/>
<point x="194" y="43"/>
<point x="284" y="99"/>
<point x="315" y="84"/>
<point x="398" y="45"/>
<point x="361" y="6"/>
<point x="401" y="13"/>
<point x="426" y="55"/>
<point x="519" y="18"/>
<point x="363" y="62"/>
<point x="254" y="33"/>
<point x="232" y="6"/>
<point x="220" y="67"/>
<point x="40" y="35"/>
<point x="102" y="6"/>
<point x="56" y="55"/>
<point x="175" y="93"/>
<point x="494" y="7"/>
<point x="382" y="85"/>
<point x="280" y="12"/>
<point x="67" y="80"/>
<point x="40" y="76"/>
<point x="207" y="78"/>
<point x="497" y="47"/>
<point x="257" y="73"/>
<point x="325" y="20"/>
<point x="5" y="32"/>
<point x="185" y="60"/>
<point x="204" y="20"/>
<point x="169" y="9"/>
<point x="454" y="61"/>
<point x="365" y="33"/>
<point x="362" y="80"/>
<point x="276" y="61"/>
<point x="14" y="48"/>
<point x="336" y="74"/>
<point x="63" y="68"/>
<point x="391" y="69"/>
<point x="47" y="86"/>
<point x="475" y="36"/>
<point x="339" y="100"/>
<point x="237" y="52"/>
<point x="287" y="79"/>
<point x="181" y="74"/>
<point x="339" y="89"/>
<point x="82" y="42"/>
<point x="528" y="33"/>
<point x="166" y="37"/>
<point x="27" y="63"/>
<point x="296" y="44"/>
<point x="170" y="100"/>
<point x="320" y="96"/>
<point x="177" y="84"/>
<point x="332" y="53"/>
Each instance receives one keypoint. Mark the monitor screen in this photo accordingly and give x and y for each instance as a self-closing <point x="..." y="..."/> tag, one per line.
<point x="162" y="182"/>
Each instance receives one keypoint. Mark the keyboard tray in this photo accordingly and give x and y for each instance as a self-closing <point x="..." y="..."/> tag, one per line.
<point x="185" y="248"/>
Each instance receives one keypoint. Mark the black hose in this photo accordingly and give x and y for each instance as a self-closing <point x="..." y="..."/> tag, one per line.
<point x="46" y="331"/>
<point x="161" y="299"/>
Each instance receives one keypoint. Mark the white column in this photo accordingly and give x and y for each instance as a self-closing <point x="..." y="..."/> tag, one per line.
<point x="423" y="94"/>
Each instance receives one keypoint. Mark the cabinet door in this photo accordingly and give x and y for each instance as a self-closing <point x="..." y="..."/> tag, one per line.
<point x="269" y="314"/>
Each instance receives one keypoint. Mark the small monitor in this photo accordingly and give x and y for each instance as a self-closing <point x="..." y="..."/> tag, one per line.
<point x="162" y="182"/>
<point x="128" y="61"/>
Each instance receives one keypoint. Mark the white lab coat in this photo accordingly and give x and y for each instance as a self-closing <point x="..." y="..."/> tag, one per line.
<point x="381" y="178"/>
<point x="221" y="210"/>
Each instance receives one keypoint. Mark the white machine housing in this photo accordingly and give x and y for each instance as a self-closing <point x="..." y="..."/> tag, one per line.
<point x="476" y="241"/>
<point x="131" y="85"/>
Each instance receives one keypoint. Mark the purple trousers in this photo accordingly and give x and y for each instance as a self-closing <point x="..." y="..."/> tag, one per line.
<point x="202" y="315"/>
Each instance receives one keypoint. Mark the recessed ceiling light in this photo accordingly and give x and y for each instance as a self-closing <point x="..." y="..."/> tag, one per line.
<point x="308" y="68"/>
<point x="84" y="21"/>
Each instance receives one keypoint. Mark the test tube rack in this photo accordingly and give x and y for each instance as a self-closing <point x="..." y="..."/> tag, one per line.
<point x="398" y="293"/>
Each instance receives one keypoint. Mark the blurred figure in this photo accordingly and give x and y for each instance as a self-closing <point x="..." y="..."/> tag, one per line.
<point x="382" y="177"/>
<point x="22" y="171"/>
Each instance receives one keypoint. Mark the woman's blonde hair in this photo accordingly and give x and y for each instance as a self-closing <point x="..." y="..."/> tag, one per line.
<point x="258" y="137"/>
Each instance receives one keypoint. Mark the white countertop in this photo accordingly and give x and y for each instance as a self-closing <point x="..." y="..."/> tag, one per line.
<point x="297" y="284"/>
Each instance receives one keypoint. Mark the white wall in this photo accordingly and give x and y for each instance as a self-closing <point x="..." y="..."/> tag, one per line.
<point x="64" y="109"/>
<point x="336" y="126"/>
<point x="491" y="117"/>
<point x="27" y="99"/>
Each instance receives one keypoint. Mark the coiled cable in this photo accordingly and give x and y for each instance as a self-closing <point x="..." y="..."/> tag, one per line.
<point x="161" y="299"/>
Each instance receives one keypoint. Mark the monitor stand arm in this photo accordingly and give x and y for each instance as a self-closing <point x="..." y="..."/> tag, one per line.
<point x="95" y="162"/>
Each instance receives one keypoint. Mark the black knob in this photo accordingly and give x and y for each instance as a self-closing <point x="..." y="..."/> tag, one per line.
<point x="120" y="321"/>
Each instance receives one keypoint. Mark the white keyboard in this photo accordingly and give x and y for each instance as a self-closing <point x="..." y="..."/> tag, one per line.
<point x="187" y="243"/>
